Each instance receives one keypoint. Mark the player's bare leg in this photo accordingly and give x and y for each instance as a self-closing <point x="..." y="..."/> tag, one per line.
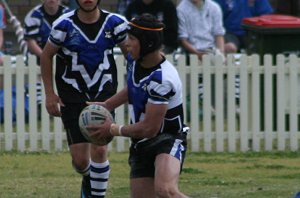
<point x="91" y="162"/>
<point x="167" y="170"/>
<point x="142" y="187"/>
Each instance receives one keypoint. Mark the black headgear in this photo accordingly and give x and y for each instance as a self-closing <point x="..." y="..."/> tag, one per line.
<point x="88" y="10"/>
<point x="149" y="31"/>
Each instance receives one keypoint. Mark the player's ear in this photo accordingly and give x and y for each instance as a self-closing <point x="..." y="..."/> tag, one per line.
<point x="150" y="44"/>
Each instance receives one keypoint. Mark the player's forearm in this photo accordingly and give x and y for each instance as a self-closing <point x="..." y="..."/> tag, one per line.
<point x="148" y="127"/>
<point x="34" y="48"/>
<point x="138" y="130"/>
<point x="117" y="100"/>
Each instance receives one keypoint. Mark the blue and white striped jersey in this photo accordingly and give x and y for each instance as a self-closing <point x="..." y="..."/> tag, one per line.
<point x="38" y="23"/>
<point x="158" y="85"/>
<point x="85" y="66"/>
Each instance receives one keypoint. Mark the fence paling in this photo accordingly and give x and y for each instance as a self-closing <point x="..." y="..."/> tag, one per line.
<point x="244" y="105"/>
<point x="293" y="103"/>
<point x="7" y="87"/>
<point x="20" y="116"/>
<point x="219" y="105"/>
<point x="211" y="128"/>
<point x="231" y="118"/>
<point x="255" y="100"/>
<point x="280" y="123"/>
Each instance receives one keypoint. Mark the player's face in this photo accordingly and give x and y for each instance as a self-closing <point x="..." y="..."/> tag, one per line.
<point x="133" y="46"/>
<point x="88" y="5"/>
<point x="51" y="3"/>
<point x="198" y="3"/>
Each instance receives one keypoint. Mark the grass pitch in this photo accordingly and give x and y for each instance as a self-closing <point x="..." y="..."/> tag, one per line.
<point x="205" y="175"/>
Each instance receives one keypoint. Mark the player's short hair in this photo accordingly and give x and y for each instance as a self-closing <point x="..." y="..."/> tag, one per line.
<point x="149" y="31"/>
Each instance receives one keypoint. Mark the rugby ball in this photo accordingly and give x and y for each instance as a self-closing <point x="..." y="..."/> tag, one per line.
<point x="90" y="115"/>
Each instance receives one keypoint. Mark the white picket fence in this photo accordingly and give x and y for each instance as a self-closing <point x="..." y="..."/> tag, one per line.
<point x="261" y="119"/>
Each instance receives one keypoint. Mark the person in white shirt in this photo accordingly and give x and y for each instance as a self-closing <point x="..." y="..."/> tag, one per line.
<point x="200" y="27"/>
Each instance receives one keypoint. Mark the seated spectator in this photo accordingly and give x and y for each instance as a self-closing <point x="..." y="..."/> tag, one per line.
<point x="122" y="6"/>
<point x="200" y="28"/>
<point x="233" y="13"/>
<point x="163" y="10"/>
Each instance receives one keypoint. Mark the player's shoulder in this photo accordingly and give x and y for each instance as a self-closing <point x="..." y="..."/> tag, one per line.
<point x="35" y="11"/>
<point x="64" y="18"/>
<point x="65" y="9"/>
<point x="169" y="71"/>
<point x="114" y="17"/>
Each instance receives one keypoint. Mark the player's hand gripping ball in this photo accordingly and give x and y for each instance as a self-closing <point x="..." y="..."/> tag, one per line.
<point x="92" y="115"/>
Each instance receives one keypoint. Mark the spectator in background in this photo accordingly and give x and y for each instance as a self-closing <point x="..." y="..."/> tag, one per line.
<point x="163" y="10"/>
<point x="200" y="27"/>
<point x="38" y="23"/>
<point x="234" y="11"/>
<point x="122" y="6"/>
<point x="2" y="26"/>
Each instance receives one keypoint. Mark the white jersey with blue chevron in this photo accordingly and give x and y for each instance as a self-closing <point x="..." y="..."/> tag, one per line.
<point x="38" y="23"/>
<point x="85" y="66"/>
<point x="158" y="85"/>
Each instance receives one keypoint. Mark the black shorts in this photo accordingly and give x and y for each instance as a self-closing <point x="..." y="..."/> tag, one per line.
<point x="70" y="114"/>
<point x="142" y="155"/>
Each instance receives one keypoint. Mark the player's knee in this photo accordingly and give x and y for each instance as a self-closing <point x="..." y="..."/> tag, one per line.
<point x="81" y="166"/>
<point x="166" y="191"/>
<point x="99" y="152"/>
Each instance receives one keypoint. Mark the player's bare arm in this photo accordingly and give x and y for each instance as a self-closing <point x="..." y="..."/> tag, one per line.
<point x="149" y="127"/>
<point x="34" y="47"/>
<point x="52" y="100"/>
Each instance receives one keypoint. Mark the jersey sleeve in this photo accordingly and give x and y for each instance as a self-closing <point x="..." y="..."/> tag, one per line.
<point x="32" y="23"/>
<point x="58" y="32"/>
<point x="120" y="28"/>
<point x="160" y="91"/>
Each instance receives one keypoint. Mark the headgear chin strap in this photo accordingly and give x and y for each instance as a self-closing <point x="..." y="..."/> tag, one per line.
<point x="96" y="6"/>
<point x="149" y="31"/>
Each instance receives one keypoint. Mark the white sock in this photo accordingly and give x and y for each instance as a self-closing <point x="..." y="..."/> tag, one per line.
<point x="99" y="173"/>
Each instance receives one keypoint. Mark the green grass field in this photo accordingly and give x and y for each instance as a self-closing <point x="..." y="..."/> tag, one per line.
<point x="205" y="175"/>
